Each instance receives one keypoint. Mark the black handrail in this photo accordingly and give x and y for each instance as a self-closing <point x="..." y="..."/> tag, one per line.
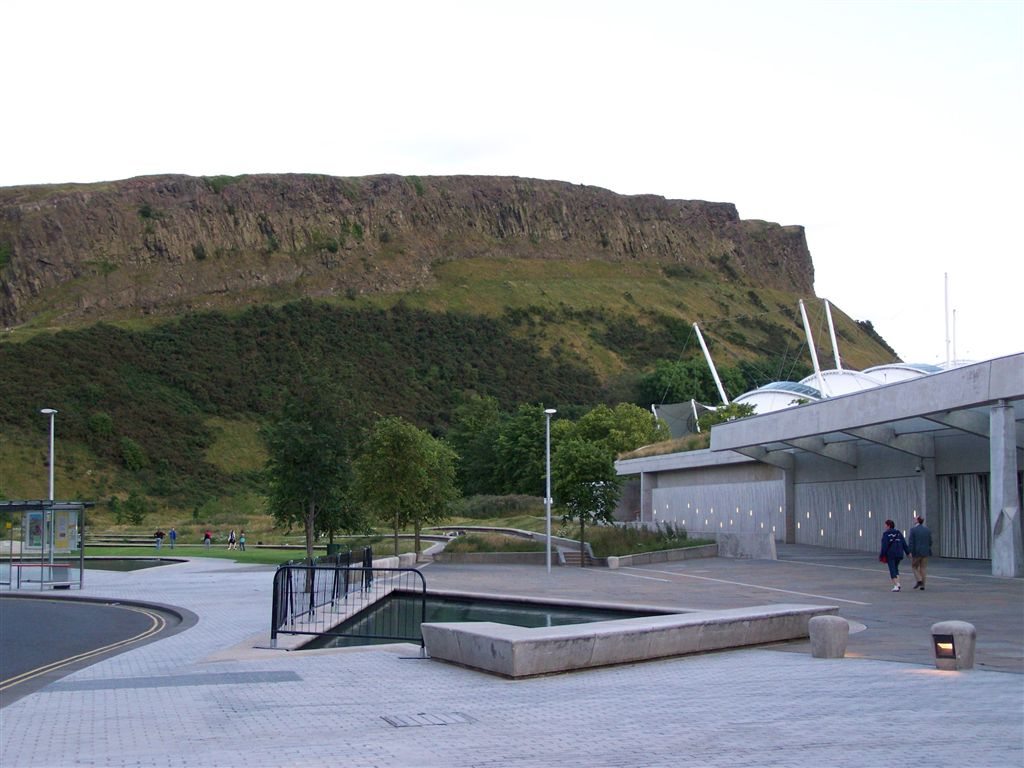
<point x="329" y="598"/>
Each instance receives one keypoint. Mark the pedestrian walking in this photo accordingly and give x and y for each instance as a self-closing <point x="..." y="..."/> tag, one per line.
<point x="207" y="539"/>
<point x="241" y="541"/>
<point x="894" y="546"/>
<point x="172" y="536"/>
<point x="232" y="540"/>
<point x="159" y="537"/>
<point x="919" y="539"/>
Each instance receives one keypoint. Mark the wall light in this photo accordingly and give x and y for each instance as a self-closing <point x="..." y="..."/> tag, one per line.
<point x="945" y="647"/>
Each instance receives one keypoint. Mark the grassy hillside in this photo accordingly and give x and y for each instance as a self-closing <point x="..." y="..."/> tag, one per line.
<point x="170" y="412"/>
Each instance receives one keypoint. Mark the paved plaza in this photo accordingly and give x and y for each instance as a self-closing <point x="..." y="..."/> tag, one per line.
<point x="205" y="697"/>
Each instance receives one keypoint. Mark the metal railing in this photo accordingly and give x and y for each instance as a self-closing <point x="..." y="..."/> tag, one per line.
<point x="335" y="599"/>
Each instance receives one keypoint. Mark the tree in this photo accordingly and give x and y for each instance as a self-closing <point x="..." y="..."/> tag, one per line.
<point x="476" y="425"/>
<point x="520" y="451"/>
<point x="135" y="509"/>
<point x="308" y="468"/>
<point x="585" y="484"/>
<point x="405" y="475"/>
<point x="679" y="381"/>
<point x="623" y="428"/>
<point x="724" y="413"/>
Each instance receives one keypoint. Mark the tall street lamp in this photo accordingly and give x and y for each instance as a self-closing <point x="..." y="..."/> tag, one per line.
<point x="548" y="413"/>
<point x="51" y="413"/>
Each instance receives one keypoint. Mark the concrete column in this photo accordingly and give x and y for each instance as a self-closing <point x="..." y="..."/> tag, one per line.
<point x="930" y="499"/>
<point x="789" y="494"/>
<point x="1004" y="505"/>
<point x="645" y="495"/>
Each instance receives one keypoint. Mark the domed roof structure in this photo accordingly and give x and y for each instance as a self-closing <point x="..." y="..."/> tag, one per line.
<point x="778" y="395"/>
<point x="890" y="373"/>
<point x="838" y="381"/>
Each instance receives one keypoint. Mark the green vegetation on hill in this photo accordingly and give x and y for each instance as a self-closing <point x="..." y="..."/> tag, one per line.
<point x="170" y="412"/>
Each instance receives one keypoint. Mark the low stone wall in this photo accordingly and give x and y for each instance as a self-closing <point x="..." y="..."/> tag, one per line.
<point x="756" y="546"/>
<point x="492" y="558"/>
<point x="662" y="556"/>
<point x="523" y="652"/>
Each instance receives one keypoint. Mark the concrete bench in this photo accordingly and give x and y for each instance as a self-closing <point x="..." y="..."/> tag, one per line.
<point x="522" y="652"/>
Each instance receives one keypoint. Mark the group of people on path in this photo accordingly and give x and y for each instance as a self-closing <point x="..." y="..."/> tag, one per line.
<point x="917" y="544"/>
<point x="159" y="536"/>
<point x="234" y="542"/>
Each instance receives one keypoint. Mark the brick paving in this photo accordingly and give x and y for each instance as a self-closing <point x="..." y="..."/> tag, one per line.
<point x="200" y="698"/>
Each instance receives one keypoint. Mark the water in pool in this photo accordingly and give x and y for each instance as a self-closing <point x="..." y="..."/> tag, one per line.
<point x="398" y="615"/>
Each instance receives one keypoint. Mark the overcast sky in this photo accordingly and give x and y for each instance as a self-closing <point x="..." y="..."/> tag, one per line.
<point x="892" y="131"/>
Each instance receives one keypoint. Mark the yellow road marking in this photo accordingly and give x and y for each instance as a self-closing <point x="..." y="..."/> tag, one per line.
<point x="157" y="624"/>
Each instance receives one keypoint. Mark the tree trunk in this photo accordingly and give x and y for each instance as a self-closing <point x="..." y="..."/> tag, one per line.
<point x="416" y="542"/>
<point x="583" y="549"/>
<point x="310" y="519"/>
<point x="396" y="534"/>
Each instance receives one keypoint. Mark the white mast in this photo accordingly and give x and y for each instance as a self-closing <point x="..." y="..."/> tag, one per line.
<point x="814" y="353"/>
<point x="954" y="336"/>
<point x="946" y="279"/>
<point x="711" y="365"/>
<point x="832" y="333"/>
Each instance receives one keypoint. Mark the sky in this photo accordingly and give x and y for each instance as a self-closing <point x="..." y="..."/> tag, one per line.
<point x="892" y="131"/>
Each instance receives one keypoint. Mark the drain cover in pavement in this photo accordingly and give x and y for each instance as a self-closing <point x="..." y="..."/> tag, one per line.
<point x="428" y="718"/>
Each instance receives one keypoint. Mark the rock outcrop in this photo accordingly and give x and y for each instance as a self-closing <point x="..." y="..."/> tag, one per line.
<point x="167" y="244"/>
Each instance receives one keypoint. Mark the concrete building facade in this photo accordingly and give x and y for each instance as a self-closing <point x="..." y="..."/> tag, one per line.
<point x="948" y="446"/>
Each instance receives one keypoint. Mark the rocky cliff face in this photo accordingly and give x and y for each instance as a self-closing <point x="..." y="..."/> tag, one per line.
<point x="168" y="244"/>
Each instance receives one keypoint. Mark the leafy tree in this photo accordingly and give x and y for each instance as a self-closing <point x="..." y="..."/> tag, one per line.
<point x="308" y="466"/>
<point x="135" y="509"/>
<point x="682" y="380"/>
<point x="405" y="475"/>
<point x="521" y="454"/>
<point x="625" y="427"/>
<point x="724" y="413"/>
<point x="476" y="425"/>
<point x="132" y="455"/>
<point x="585" y="484"/>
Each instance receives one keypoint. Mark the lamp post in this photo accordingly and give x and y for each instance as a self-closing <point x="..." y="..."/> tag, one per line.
<point x="49" y="536"/>
<point x="548" y="413"/>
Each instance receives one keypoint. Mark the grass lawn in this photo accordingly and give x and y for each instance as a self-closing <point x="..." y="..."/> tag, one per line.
<point x="252" y="555"/>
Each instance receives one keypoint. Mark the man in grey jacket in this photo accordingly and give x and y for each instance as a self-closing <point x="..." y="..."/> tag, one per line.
<point x="919" y="539"/>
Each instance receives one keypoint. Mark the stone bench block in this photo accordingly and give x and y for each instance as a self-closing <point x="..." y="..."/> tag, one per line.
<point x="522" y="652"/>
<point x="829" y="635"/>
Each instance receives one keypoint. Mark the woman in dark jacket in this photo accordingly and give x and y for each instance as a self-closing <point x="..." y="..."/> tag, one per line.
<point x="894" y="547"/>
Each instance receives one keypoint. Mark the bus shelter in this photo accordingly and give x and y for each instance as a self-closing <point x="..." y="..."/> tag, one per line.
<point x="43" y="542"/>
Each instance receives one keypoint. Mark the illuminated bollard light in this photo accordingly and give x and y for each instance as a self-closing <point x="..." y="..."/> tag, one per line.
<point x="828" y="636"/>
<point x="953" y="643"/>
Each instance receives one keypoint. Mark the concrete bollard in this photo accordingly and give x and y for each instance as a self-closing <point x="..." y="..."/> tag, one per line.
<point x="828" y="636"/>
<point x="953" y="644"/>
